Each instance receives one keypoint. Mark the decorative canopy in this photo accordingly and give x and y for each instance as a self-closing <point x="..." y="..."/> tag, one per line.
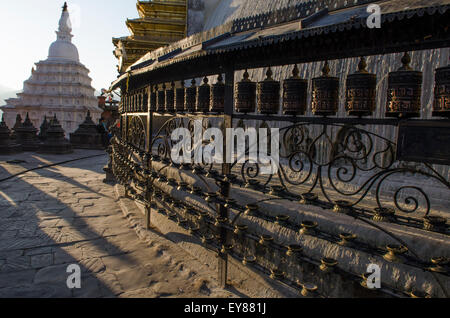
<point x="311" y="31"/>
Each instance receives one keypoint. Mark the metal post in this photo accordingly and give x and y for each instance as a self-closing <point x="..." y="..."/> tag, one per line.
<point x="226" y="169"/>
<point x="148" y="209"/>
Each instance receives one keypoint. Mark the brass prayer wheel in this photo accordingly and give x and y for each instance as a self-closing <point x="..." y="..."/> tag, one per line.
<point x="140" y="102"/>
<point x="170" y="98"/>
<point x="190" y="96"/>
<point x="295" y="93"/>
<point x="124" y="103"/>
<point x="203" y="97"/>
<point x="137" y="102"/>
<point x="153" y="92"/>
<point x="130" y="103"/>
<point x="218" y="96"/>
<point x="361" y="91"/>
<point x="405" y="91"/>
<point x="179" y="98"/>
<point x="268" y="94"/>
<point x="245" y="95"/>
<point x="161" y="104"/>
<point x="325" y="96"/>
<point x="145" y="101"/>
<point x="441" y="106"/>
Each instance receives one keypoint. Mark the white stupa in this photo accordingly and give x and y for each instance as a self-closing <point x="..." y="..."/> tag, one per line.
<point x="59" y="85"/>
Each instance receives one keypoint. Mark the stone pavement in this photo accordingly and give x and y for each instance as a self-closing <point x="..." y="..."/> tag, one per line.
<point x="54" y="217"/>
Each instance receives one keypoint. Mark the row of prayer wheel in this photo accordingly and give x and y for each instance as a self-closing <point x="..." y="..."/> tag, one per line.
<point x="404" y="94"/>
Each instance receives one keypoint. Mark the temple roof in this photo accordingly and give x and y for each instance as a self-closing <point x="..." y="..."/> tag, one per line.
<point x="172" y="8"/>
<point x="160" y="23"/>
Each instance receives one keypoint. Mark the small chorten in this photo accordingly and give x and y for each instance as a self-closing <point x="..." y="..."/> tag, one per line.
<point x="87" y="135"/>
<point x="26" y="135"/>
<point x="16" y="125"/>
<point x="55" y="142"/>
<point x="43" y="129"/>
<point x="7" y="146"/>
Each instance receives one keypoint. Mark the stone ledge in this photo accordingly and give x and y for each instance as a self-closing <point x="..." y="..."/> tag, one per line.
<point x="245" y="280"/>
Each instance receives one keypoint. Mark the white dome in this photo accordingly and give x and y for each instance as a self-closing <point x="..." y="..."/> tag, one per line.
<point x="63" y="50"/>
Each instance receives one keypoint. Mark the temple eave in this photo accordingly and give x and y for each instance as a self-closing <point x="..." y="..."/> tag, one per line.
<point x="160" y="23"/>
<point x="157" y="7"/>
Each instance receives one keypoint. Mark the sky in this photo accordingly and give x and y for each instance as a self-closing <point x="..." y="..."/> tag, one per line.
<point x="27" y="28"/>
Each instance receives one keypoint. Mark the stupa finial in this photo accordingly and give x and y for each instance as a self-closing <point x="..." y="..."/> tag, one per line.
<point x="65" y="26"/>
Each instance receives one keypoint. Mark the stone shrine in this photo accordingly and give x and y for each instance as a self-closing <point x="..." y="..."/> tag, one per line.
<point x="87" y="135"/>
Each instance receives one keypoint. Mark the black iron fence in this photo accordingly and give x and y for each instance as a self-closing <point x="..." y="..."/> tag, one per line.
<point x="339" y="164"/>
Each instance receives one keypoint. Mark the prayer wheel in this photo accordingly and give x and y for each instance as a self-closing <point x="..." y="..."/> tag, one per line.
<point x="161" y="104"/>
<point x="179" y="98"/>
<point x="361" y="91"/>
<point x="441" y="106"/>
<point x="325" y="96"/>
<point x="203" y="97"/>
<point x="170" y="98"/>
<point x="295" y="93"/>
<point x="404" y="91"/>
<point x="153" y="92"/>
<point x="217" y="104"/>
<point x="190" y="97"/>
<point x="268" y="95"/>
<point x="245" y="95"/>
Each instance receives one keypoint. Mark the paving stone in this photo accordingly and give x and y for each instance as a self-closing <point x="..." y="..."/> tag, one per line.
<point x="8" y="234"/>
<point x="12" y="225"/>
<point x="135" y="278"/>
<point x="90" y="288"/>
<point x="33" y="290"/>
<point x="118" y="263"/>
<point x="61" y="256"/>
<point x="39" y="261"/>
<point x="92" y="265"/>
<point x="165" y="289"/>
<point x="48" y="223"/>
<point x="28" y="231"/>
<point x="109" y="285"/>
<point x="39" y="251"/>
<point x="56" y="274"/>
<point x="18" y="263"/>
<point x="7" y="254"/>
<point x="16" y="278"/>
